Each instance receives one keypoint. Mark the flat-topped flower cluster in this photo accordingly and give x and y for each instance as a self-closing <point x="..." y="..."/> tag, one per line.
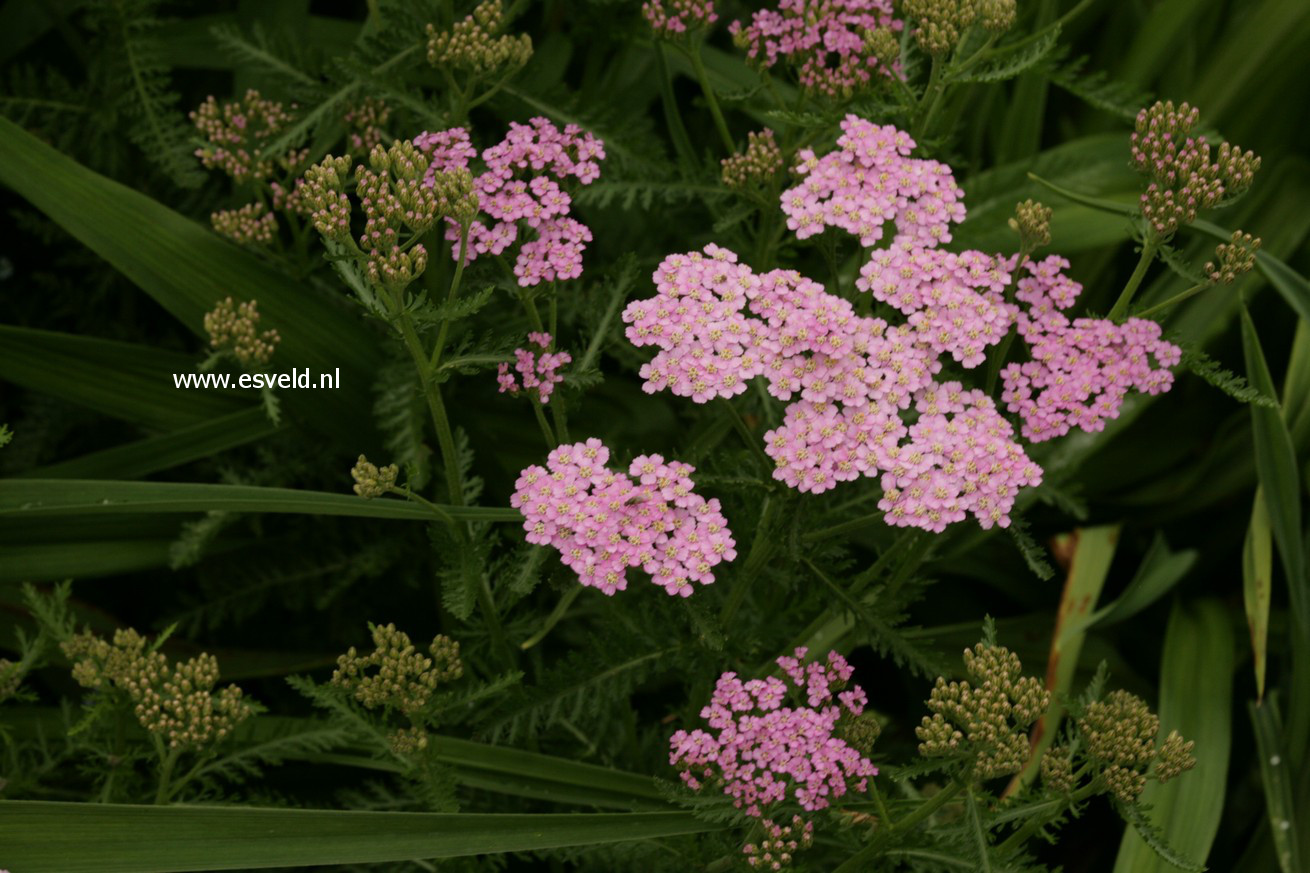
<point x="603" y="522"/>
<point x="521" y="186"/>
<point x="764" y="753"/>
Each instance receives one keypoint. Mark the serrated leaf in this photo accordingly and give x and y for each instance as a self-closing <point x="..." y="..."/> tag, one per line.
<point x="1154" y="840"/>
<point x="1227" y="381"/>
<point x="1006" y="64"/>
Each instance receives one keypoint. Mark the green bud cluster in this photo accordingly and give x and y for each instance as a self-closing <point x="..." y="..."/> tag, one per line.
<point x="11" y="675"/>
<point x="860" y="732"/>
<point x="456" y="197"/>
<point x="476" y="44"/>
<point x="323" y="197"/>
<point x="234" y="327"/>
<point x="985" y="720"/>
<point x="759" y="164"/>
<point x="942" y="23"/>
<point x="174" y="701"/>
<point x="1057" y="769"/>
<point x="1032" y="221"/>
<point x="884" y="45"/>
<point x="370" y="481"/>
<point x="1185" y="173"/>
<point x="251" y="225"/>
<point x="1233" y="259"/>
<point x="396" y="676"/>
<point x="1119" y="733"/>
<point x="366" y="120"/>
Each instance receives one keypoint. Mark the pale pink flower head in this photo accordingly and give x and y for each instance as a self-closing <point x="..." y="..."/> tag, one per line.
<point x="535" y="372"/>
<point x="522" y="196"/>
<point x="674" y="18"/>
<point x="603" y="522"/>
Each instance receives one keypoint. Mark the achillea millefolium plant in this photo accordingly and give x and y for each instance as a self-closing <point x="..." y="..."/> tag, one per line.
<point x="861" y="435"/>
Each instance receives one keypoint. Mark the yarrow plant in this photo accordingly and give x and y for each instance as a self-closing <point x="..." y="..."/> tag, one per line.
<point x="521" y="187"/>
<point x="766" y="755"/>
<point x="673" y="18"/>
<point x="534" y="371"/>
<point x="603" y="522"/>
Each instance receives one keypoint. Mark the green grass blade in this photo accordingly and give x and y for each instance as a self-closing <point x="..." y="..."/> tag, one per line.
<point x="186" y="268"/>
<point x="123" y="380"/>
<point x="1276" y="775"/>
<point x="150" y="455"/>
<point x="1093" y="550"/>
<point x="52" y="562"/>
<point x="56" y="497"/>
<point x="1196" y="689"/>
<point x="1257" y="585"/>
<point x="42" y="837"/>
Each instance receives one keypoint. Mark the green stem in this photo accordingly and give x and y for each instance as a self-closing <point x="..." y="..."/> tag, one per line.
<point x="672" y="117"/>
<point x="996" y="358"/>
<point x="1176" y="299"/>
<point x="451" y="296"/>
<point x="703" y="76"/>
<point x="859" y="861"/>
<point x="1015" y="840"/>
<point x="1120" y="308"/>
<point x="553" y="619"/>
<point x="164" y="791"/>
<point x="752" y="443"/>
<point x="844" y="527"/>
<point x="934" y="89"/>
<point x="551" y="441"/>
<point x="761" y="547"/>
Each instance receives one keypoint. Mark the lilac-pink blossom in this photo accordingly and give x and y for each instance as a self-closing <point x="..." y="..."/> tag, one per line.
<point x="533" y="371"/>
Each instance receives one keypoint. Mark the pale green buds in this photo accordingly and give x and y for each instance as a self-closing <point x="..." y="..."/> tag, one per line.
<point x="759" y="164"/>
<point x="476" y="45"/>
<point x="234" y="328"/>
<point x="1032" y="221"/>
<point x="1233" y="259"/>
<point x="370" y="481"/>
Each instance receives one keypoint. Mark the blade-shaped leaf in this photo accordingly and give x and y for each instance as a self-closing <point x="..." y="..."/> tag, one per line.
<point x="1196" y="692"/>
<point x="1277" y="775"/>
<point x="42" y="837"/>
<point x="187" y="269"/>
<point x="1257" y="585"/>
<point x="123" y="380"/>
<point x="56" y="497"/>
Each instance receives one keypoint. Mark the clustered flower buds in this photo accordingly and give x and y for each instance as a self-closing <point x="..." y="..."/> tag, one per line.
<point x="396" y="678"/>
<point x="395" y="198"/>
<point x="986" y="721"/>
<point x="521" y="183"/>
<point x="942" y="23"/>
<point x="1057" y="769"/>
<point x="476" y="44"/>
<point x="537" y="372"/>
<point x="1185" y="176"/>
<point x="1032" y="221"/>
<point x="366" y="120"/>
<point x="173" y="701"/>
<point x="250" y="225"/>
<point x="777" y="741"/>
<point x="672" y="18"/>
<point x="603" y="522"/>
<point x="323" y="196"/>
<point x="1119" y="733"/>
<point x="237" y="131"/>
<point x="234" y="328"/>
<point x="1081" y="370"/>
<point x="827" y="44"/>
<point x="370" y="481"/>
<point x="780" y="844"/>
<point x="11" y="675"/>
<point x="1233" y="259"/>
<point x="758" y="165"/>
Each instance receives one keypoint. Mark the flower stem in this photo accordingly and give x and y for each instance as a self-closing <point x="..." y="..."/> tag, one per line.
<point x="859" y="861"/>
<point x="451" y="295"/>
<point x="1120" y="308"/>
<point x="1176" y="299"/>
<point x="551" y="441"/>
<point x="164" y="791"/>
<point x="761" y="547"/>
<point x="703" y="76"/>
<point x="553" y="619"/>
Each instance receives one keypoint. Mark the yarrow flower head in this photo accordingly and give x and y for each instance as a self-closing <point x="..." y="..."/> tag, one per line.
<point x="869" y="180"/>
<point x="1234" y="258"/>
<point x="675" y="18"/>
<point x="1082" y="369"/>
<point x="1120" y="733"/>
<point x="832" y="46"/>
<point x="477" y="45"/>
<point x="604" y="522"/>
<point x="985" y="720"/>
<point x="521" y="186"/>
<point x="780" y="844"/>
<point x="758" y="165"/>
<point x="234" y="327"/>
<point x="941" y="23"/>
<point x="535" y="372"/>
<point x="251" y="225"/>
<point x="174" y="701"/>
<point x="371" y="480"/>
<point x="777" y="741"/>
<point x="237" y="132"/>
<point x="1185" y="175"/>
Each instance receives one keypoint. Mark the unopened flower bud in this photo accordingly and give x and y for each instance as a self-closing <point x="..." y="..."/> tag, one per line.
<point x="476" y="45"/>
<point x="1175" y="757"/>
<point x="1032" y="221"/>
<point x="996" y="16"/>
<point x="370" y="481"/>
<point x="234" y="328"/>
<point x="1057" y="769"/>
<point x="251" y="225"/>
<point x="759" y="164"/>
<point x="1233" y="259"/>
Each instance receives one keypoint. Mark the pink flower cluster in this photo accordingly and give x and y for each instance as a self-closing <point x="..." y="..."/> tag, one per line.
<point x="847" y="379"/>
<point x="521" y="185"/>
<point x="603" y="522"/>
<point x="1080" y="370"/>
<point x="537" y="371"/>
<point x="825" y="41"/>
<point x="956" y="302"/>
<point x="868" y="180"/>
<point x="674" y="17"/>
<point x="764" y="753"/>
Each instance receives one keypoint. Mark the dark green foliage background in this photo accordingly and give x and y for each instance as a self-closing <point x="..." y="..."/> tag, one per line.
<point x="275" y="595"/>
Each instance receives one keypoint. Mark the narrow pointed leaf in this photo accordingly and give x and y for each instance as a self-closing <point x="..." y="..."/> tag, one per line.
<point x="1257" y="585"/>
<point x="41" y="837"/>
<point x="1277" y="776"/>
